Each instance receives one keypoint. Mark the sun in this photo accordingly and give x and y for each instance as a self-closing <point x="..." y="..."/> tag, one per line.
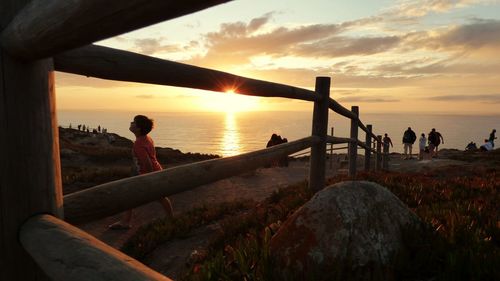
<point x="229" y="101"/>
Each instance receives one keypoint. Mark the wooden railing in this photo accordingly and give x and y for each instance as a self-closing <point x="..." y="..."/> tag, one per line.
<point x="36" y="38"/>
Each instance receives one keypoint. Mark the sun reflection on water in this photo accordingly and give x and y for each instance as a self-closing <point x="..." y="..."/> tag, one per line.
<point x="231" y="140"/>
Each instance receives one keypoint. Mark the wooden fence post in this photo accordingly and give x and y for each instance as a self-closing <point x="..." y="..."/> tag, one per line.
<point x="319" y="129"/>
<point x="331" y="150"/>
<point x="378" y="165"/>
<point x="353" y="146"/>
<point x="368" y="142"/>
<point x="30" y="180"/>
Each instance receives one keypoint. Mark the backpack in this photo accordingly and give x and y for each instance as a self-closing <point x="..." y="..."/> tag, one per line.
<point x="432" y="137"/>
<point x="409" y="137"/>
<point x="413" y="137"/>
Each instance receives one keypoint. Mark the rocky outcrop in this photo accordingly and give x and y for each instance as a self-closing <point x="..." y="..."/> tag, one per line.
<point x="350" y="230"/>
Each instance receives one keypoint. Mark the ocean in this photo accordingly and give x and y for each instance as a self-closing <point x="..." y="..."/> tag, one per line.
<point x="228" y="134"/>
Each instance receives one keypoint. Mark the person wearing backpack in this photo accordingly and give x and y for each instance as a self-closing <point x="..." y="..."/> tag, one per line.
<point x="409" y="138"/>
<point x="435" y="139"/>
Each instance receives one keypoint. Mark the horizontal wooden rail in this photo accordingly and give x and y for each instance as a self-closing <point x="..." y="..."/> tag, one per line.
<point x="65" y="252"/>
<point x="113" y="197"/>
<point x="363" y="145"/>
<point x="338" y="148"/>
<point x="328" y="149"/>
<point x="47" y="27"/>
<point x="301" y="153"/>
<point x="337" y="107"/>
<point x="337" y="140"/>
<point x="113" y="64"/>
<point x="365" y="129"/>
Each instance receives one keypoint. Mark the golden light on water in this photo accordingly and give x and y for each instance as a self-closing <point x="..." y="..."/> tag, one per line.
<point x="231" y="140"/>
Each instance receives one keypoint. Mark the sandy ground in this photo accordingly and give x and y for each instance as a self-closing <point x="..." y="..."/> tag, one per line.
<point x="169" y="259"/>
<point x="256" y="185"/>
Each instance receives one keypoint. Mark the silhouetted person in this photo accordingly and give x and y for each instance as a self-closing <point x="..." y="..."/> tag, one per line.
<point x="274" y="140"/>
<point x="387" y="141"/>
<point x="409" y="138"/>
<point x="435" y="139"/>
<point x="145" y="160"/>
<point x="422" y="141"/>
<point x="492" y="137"/>
<point x="471" y="146"/>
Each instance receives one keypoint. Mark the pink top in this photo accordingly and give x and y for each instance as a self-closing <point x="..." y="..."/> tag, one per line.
<point x="144" y="151"/>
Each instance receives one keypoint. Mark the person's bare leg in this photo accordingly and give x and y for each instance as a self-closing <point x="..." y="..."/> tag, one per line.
<point x="167" y="207"/>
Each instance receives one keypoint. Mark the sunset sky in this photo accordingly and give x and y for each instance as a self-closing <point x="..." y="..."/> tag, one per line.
<point x="384" y="56"/>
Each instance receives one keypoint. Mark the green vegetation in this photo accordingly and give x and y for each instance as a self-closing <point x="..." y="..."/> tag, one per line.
<point x="462" y="241"/>
<point x="148" y="237"/>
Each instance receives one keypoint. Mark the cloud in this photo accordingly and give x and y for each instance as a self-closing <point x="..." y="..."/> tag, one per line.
<point x="472" y="36"/>
<point x="235" y="43"/>
<point x="484" y="98"/>
<point x="145" y="96"/>
<point x="257" y="23"/>
<point x="150" y="46"/>
<point x="467" y="37"/>
<point x="408" y="9"/>
<point x="347" y="46"/>
<point x="368" y="99"/>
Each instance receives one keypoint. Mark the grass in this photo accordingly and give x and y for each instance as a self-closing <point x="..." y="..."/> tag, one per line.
<point x="463" y="218"/>
<point x="148" y="237"/>
<point x="461" y="241"/>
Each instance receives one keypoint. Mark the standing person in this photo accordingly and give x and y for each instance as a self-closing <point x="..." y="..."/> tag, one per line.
<point x="492" y="137"/>
<point x="144" y="155"/>
<point x="387" y="140"/>
<point x="421" y="146"/>
<point x="435" y="139"/>
<point x="409" y="138"/>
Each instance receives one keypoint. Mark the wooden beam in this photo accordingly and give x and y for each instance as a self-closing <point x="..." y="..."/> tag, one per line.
<point x="47" y="27"/>
<point x="353" y="146"/>
<point x="111" y="198"/>
<point x="113" y="64"/>
<point x="363" y="145"/>
<point x="30" y="179"/>
<point x="378" y="165"/>
<point x="320" y="130"/>
<point x="368" y="149"/>
<point x="337" y="107"/>
<point x="337" y="140"/>
<point x="65" y="252"/>
<point x="365" y="129"/>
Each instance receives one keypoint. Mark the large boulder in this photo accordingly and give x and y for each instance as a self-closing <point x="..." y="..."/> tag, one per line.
<point x="351" y="230"/>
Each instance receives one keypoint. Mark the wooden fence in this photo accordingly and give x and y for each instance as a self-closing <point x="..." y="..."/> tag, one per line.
<point x="40" y="36"/>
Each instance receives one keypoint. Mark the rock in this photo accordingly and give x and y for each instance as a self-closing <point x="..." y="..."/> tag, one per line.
<point x="351" y="230"/>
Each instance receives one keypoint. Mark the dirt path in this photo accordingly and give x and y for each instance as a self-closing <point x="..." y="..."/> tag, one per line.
<point x="256" y="185"/>
<point x="169" y="258"/>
